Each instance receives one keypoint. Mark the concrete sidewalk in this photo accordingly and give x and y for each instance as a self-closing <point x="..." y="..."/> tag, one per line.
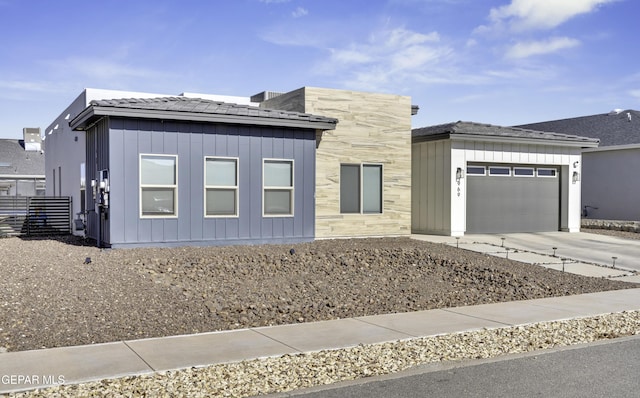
<point x="578" y="253"/>
<point x="28" y="370"/>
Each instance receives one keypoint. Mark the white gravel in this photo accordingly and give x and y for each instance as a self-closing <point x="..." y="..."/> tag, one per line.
<point x="291" y="372"/>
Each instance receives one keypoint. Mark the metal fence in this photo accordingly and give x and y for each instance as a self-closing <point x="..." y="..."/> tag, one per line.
<point x="35" y="215"/>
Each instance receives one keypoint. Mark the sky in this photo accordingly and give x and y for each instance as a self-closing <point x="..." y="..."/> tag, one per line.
<point x="502" y="62"/>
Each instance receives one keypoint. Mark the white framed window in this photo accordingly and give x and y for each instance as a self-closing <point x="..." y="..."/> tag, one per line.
<point x="476" y="171"/>
<point x="500" y="171"/>
<point x="220" y="187"/>
<point x="277" y="187"/>
<point x="547" y="172"/>
<point x="523" y="172"/>
<point x="361" y="188"/>
<point x="158" y="186"/>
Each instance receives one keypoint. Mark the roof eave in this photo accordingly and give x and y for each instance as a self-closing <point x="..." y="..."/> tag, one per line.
<point x="524" y="140"/>
<point x="91" y="113"/>
<point x="515" y="140"/>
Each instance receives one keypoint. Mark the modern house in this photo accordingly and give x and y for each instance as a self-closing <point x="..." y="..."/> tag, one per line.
<point x="187" y="171"/>
<point x="478" y="178"/>
<point x="363" y="166"/>
<point x="22" y="165"/>
<point x="347" y="155"/>
<point x="610" y="182"/>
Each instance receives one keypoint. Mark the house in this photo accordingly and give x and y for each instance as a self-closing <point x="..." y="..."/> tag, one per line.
<point x="478" y="178"/>
<point x="187" y="171"/>
<point x="610" y="182"/>
<point x="363" y="166"/>
<point x="22" y="165"/>
<point x="359" y="183"/>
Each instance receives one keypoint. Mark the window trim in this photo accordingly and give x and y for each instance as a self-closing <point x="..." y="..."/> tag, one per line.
<point x="142" y="186"/>
<point x="361" y="188"/>
<point x="532" y="169"/>
<point x="484" y="171"/>
<point x="236" y="187"/>
<point x="555" y="172"/>
<point x="290" y="189"/>
<point x="500" y="175"/>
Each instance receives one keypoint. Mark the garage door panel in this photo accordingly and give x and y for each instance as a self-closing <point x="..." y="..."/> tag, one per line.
<point x="501" y="204"/>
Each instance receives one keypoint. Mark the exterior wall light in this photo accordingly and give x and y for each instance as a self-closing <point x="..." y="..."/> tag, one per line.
<point x="576" y="177"/>
<point x="459" y="174"/>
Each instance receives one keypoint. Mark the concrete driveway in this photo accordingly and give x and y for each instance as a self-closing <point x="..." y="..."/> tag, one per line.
<point x="580" y="246"/>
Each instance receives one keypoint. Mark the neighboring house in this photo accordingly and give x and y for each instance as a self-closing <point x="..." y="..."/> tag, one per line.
<point x="478" y="178"/>
<point x="610" y="182"/>
<point x="363" y="167"/>
<point x="22" y="165"/>
<point x="186" y="171"/>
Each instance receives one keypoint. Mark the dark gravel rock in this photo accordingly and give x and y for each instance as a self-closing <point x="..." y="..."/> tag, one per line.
<point x="51" y="296"/>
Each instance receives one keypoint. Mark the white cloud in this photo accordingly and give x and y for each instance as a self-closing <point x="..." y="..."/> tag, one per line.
<point x="540" y="14"/>
<point x="531" y="48"/>
<point x="635" y="93"/>
<point x="31" y="86"/>
<point x="96" y="68"/>
<point x="392" y="55"/>
<point x="300" y="12"/>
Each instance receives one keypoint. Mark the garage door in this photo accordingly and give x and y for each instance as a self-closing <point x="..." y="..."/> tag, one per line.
<point x="504" y="198"/>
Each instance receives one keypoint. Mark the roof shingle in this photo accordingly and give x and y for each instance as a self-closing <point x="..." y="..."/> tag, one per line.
<point x="613" y="128"/>
<point x="472" y="129"/>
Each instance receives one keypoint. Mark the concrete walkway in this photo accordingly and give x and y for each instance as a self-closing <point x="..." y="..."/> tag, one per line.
<point x="28" y="370"/>
<point x="579" y="253"/>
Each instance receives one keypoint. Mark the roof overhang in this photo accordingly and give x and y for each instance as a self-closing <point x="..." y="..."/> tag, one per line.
<point x="613" y="148"/>
<point x="93" y="113"/>
<point x="512" y="140"/>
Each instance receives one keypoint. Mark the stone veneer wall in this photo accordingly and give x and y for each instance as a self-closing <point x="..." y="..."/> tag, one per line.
<point x="372" y="128"/>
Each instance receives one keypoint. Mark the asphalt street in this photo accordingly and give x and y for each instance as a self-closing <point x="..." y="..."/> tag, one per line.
<point x="603" y="369"/>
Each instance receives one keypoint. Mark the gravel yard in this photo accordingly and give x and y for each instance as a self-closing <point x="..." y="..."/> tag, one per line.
<point x="60" y="292"/>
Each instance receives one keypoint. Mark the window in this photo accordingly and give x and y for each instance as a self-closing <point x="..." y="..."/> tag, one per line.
<point x="158" y="185"/>
<point x="547" y="172"/>
<point x="361" y="188"/>
<point x="221" y="187"/>
<point x="476" y="170"/>
<point x="523" y="172"/>
<point x="499" y="171"/>
<point x="277" y="180"/>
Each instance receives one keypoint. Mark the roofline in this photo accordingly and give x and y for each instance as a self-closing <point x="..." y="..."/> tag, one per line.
<point x="613" y="148"/>
<point x="517" y="140"/>
<point x="92" y="112"/>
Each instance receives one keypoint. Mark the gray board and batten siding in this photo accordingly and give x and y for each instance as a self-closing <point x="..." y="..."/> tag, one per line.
<point x="115" y="141"/>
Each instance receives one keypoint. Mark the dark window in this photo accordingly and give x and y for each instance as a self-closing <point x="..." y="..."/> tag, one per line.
<point x="476" y="170"/>
<point x="523" y="172"/>
<point x="361" y="188"/>
<point x="547" y="172"/>
<point x="499" y="171"/>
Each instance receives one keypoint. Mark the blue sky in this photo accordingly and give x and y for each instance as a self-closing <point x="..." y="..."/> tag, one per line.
<point x="502" y="62"/>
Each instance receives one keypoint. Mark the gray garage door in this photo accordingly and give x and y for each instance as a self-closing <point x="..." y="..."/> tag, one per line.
<point x="506" y="198"/>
